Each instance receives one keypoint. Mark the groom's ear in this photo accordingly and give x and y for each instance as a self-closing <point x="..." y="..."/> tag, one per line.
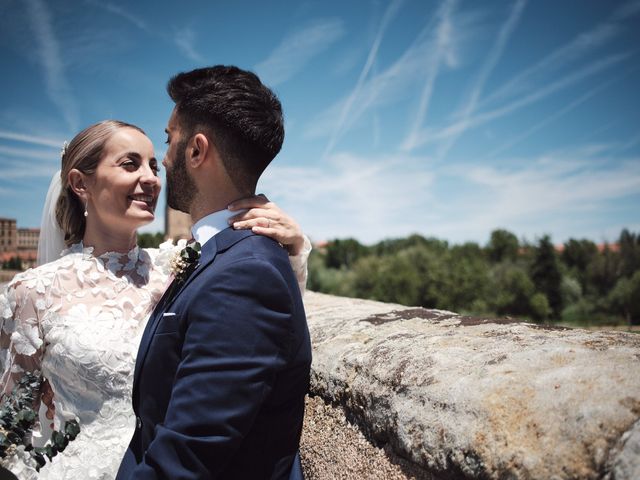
<point x="77" y="182"/>
<point x="199" y="150"/>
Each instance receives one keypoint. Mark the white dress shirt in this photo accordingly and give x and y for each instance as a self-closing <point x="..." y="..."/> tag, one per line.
<point x="207" y="227"/>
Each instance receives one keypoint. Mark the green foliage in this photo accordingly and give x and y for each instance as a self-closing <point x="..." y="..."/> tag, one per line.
<point x="344" y="253"/>
<point x="150" y="240"/>
<point x="502" y="246"/>
<point x="512" y="290"/>
<point x="624" y="298"/>
<point x="603" y="272"/>
<point x="507" y="277"/>
<point x="539" y="307"/>
<point x="629" y="244"/>
<point x="17" y="418"/>
<point x="546" y="274"/>
<point x="14" y="263"/>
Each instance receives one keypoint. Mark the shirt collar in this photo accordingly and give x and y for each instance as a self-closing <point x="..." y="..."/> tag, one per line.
<point x="205" y="228"/>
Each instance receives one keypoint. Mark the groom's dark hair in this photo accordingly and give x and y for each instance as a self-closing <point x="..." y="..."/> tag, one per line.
<point x="242" y="117"/>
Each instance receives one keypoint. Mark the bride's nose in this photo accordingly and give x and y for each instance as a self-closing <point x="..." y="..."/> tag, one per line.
<point x="148" y="175"/>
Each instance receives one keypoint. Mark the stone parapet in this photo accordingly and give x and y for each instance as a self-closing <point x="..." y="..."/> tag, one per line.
<point x="465" y="397"/>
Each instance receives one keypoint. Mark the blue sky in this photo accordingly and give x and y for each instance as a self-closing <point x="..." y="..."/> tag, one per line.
<point x="444" y="118"/>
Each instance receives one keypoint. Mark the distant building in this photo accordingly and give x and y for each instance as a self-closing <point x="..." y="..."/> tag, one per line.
<point x="19" y="243"/>
<point x="177" y="224"/>
<point x="8" y="235"/>
<point x="28" y="238"/>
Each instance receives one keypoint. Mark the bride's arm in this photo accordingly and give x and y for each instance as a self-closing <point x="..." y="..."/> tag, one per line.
<point x="22" y="341"/>
<point x="266" y="218"/>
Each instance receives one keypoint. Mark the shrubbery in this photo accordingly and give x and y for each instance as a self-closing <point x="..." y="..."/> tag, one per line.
<point x="579" y="284"/>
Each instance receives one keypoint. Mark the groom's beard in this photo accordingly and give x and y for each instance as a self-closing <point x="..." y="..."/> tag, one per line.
<point x="180" y="186"/>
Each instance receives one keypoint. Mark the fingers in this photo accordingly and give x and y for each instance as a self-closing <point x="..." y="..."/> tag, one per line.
<point x="266" y="218"/>
<point x="257" y="222"/>
<point x="249" y="202"/>
<point x="256" y="213"/>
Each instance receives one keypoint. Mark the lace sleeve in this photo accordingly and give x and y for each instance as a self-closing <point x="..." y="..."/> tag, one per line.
<point x="299" y="264"/>
<point x="21" y="338"/>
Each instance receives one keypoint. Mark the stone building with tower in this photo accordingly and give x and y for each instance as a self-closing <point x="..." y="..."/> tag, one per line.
<point x="177" y="224"/>
<point x="8" y="235"/>
<point x="20" y="243"/>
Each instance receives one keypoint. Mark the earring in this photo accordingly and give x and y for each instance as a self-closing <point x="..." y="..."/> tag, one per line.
<point x="86" y="214"/>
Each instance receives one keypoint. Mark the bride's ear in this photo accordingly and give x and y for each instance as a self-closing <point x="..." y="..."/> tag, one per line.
<point x="77" y="182"/>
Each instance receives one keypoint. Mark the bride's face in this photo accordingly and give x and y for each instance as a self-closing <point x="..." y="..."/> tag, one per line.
<point x="124" y="189"/>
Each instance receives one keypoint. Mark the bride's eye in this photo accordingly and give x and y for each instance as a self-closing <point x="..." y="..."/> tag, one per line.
<point x="167" y="141"/>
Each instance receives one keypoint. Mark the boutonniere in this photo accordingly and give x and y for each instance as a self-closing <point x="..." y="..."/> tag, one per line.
<point x="185" y="261"/>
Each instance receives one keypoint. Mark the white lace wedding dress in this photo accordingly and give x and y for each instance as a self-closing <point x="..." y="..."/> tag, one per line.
<point x="79" y="320"/>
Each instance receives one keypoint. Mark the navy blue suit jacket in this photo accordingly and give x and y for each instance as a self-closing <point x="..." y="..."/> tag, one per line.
<point x="223" y="369"/>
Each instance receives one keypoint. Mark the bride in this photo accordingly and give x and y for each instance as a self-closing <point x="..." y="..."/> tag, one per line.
<point x="79" y="318"/>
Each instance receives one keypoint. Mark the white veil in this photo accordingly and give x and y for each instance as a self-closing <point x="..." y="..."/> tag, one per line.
<point x="51" y="242"/>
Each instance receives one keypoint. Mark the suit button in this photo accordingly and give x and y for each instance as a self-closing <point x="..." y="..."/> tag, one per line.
<point x="138" y="422"/>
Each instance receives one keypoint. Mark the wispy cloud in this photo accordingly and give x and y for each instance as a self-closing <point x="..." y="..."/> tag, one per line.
<point x="548" y="120"/>
<point x="49" y="55"/>
<point x="492" y="60"/>
<point x="33" y="139"/>
<point x="457" y="127"/>
<point x="21" y="153"/>
<point x="390" y="12"/>
<point x="298" y="49"/>
<point x="384" y="88"/>
<point x="560" y="194"/>
<point x="21" y="169"/>
<point x="549" y="182"/>
<point x="185" y="39"/>
<point x="584" y="44"/>
<point x="122" y="13"/>
<point x="443" y="47"/>
<point x="353" y="194"/>
<point x="393" y="195"/>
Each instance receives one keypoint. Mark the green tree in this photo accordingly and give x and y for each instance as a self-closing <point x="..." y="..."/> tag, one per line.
<point x="512" y="290"/>
<point x="502" y="246"/>
<point x="397" y="279"/>
<point x="539" y="307"/>
<point x="150" y="240"/>
<point x="344" y="253"/>
<point x="546" y="274"/>
<point x="468" y="277"/>
<point x="629" y="244"/>
<point x="603" y="272"/>
<point x="625" y="298"/>
<point x="14" y="263"/>
<point x="579" y="253"/>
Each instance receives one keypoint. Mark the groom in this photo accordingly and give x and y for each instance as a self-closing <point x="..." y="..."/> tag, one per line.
<point x="223" y="365"/>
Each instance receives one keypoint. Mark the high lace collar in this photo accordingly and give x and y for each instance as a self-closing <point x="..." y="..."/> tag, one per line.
<point x="135" y="260"/>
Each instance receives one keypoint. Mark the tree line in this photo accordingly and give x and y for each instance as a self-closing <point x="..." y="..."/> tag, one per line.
<point x="578" y="283"/>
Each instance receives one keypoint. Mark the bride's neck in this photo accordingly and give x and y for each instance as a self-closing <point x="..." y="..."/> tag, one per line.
<point x="108" y="240"/>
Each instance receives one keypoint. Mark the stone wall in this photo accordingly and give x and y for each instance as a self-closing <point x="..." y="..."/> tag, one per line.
<point x="463" y="397"/>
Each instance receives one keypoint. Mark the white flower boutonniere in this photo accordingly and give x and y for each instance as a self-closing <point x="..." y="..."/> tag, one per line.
<point x="185" y="261"/>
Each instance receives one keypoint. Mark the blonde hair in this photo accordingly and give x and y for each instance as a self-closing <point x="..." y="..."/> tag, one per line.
<point x="83" y="153"/>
